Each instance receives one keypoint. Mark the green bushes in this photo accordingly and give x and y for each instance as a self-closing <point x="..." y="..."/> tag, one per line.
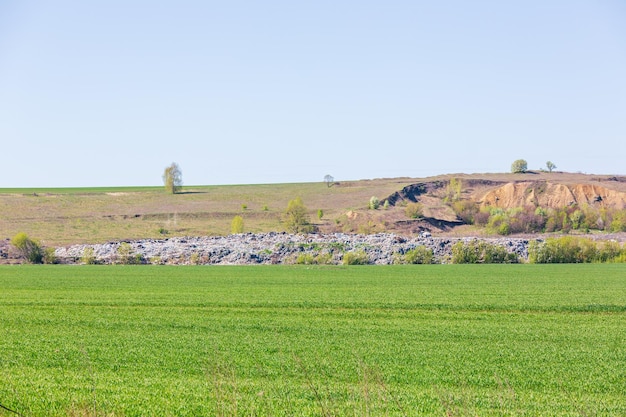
<point x="419" y="255"/>
<point x="414" y="210"/>
<point x="453" y="190"/>
<point x="88" y="257"/>
<point x="49" y="256"/>
<point x="236" y="225"/>
<point x="532" y="219"/>
<point x="296" y="217"/>
<point x="310" y="259"/>
<point x="465" y="210"/>
<point x="374" y="203"/>
<point x="355" y="258"/>
<point x="125" y="255"/>
<point x="30" y="250"/>
<point x="481" y="252"/>
<point x="568" y="249"/>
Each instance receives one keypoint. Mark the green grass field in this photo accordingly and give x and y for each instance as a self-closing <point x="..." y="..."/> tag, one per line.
<point x="433" y="340"/>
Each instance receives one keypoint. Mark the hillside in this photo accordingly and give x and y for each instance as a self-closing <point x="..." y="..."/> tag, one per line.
<point x="67" y="216"/>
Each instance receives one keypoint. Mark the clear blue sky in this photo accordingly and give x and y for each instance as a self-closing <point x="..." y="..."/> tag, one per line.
<point x="106" y="93"/>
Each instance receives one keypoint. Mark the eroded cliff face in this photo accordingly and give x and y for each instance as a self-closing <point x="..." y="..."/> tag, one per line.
<point x="547" y="194"/>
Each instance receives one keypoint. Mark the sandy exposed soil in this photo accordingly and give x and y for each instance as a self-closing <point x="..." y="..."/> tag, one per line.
<point x="553" y="195"/>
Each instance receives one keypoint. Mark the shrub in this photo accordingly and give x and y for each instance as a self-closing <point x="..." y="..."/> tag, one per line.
<point x="414" y="210"/>
<point x="568" y="249"/>
<point x="419" y="255"/>
<point x="310" y="259"/>
<point x="355" y="258"/>
<point x="320" y="214"/>
<point x="195" y="259"/>
<point x="374" y="203"/>
<point x="125" y="255"/>
<point x="475" y="252"/>
<point x="236" y="225"/>
<point x="369" y="227"/>
<point x="323" y="258"/>
<point x="88" y="257"/>
<point x="610" y="251"/>
<point x="463" y="253"/>
<point x="514" y="220"/>
<point x="49" y="256"/>
<point x="296" y="218"/>
<point x="465" y="210"/>
<point x="618" y="221"/>
<point x="499" y="224"/>
<point x="453" y="190"/>
<point x="29" y="249"/>
<point x="305" y="259"/>
<point x="558" y="250"/>
<point x="576" y="218"/>
<point x="481" y="218"/>
<point x="496" y="254"/>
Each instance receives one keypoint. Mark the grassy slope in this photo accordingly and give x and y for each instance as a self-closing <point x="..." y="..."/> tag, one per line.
<point x="463" y="340"/>
<point x="92" y="215"/>
<point x="67" y="216"/>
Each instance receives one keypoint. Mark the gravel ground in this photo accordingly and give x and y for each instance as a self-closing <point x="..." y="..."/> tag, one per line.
<point x="270" y="248"/>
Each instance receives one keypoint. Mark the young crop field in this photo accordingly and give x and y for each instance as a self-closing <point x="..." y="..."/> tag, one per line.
<point x="431" y="340"/>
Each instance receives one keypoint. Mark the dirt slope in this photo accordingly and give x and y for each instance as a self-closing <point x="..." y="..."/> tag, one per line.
<point x="553" y="195"/>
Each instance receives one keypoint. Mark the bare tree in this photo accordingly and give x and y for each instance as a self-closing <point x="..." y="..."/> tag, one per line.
<point x="173" y="178"/>
<point x="329" y="180"/>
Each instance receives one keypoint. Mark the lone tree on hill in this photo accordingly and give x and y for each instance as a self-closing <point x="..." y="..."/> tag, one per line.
<point x="550" y="165"/>
<point x="329" y="180"/>
<point x="173" y="178"/>
<point x="519" y="167"/>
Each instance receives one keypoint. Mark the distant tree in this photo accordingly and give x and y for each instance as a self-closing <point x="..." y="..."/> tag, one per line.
<point x="320" y="214"/>
<point x="173" y="178"/>
<point x="550" y="165"/>
<point x="519" y="166"/>
<point x="453" y="190"/>
<point x="296" y="217"/>
<point x="237" y="225"/>
<point x="29" y="249"/>
<point x="374" y="203"/>
<point x="329" y="180"/>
